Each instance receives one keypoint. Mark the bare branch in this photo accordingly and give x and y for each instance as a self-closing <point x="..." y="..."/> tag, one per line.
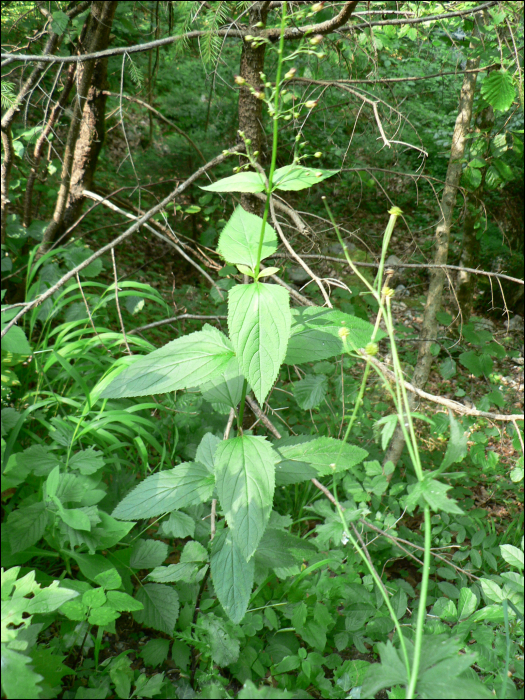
<point x="448" y="403"/>
<point x="135" y="227"/>
<point x="409" y="265"/>
<point x="421" y="20"/>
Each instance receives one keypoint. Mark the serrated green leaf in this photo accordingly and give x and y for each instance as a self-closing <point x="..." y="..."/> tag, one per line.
<point x="457" y="444"/>
<point x="183" y="571"/>
<point x="239" y="239"/>
<point x="226" y="387"/>
<point x="245" y="474"/>
<point x="188" y="361"/>
<point x="297" y="177"/>
<point x="146" y="554"/>
<point x="467" y="603"/>
<point x="232" y="576"/>
<point x="155" y="652"/>
<point x="279" y="549"/>
<point x="326" y="455"/>
<point x="26" y="526"/>
<point x="179" y="525"/>
<point x="161" y="607"/>
<point x="314" y="334"/>
<point x="435" y="494"/>
<point x="478" y="363"/>
<point x="223" y="647"/>
<point x="187" y="484"/>
<point x="498" y="89"/>
<point x="122" y="602"/>
<point x="259" y="322"/>
<point x="240" y="182"/>
<point x="447" y="368"/>
<point x="15" y="342"/>
<point x="18" y="678"/>
<point x="512" y="555"/>
<point x="310" y="391"/>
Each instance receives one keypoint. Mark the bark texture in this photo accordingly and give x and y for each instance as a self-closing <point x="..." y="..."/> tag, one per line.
<point x="86" y="132"/>
<point x="250" y="108"/>
<point x="52" y="44"/>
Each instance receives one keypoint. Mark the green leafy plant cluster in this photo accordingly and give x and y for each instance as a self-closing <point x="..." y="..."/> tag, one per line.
<point x="247" y="559"/>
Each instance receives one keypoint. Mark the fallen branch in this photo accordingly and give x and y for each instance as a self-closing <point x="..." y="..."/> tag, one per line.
<point x="448" y="403"/>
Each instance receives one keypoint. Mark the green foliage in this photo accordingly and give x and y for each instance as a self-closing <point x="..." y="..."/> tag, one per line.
<point x="257" y="568"/>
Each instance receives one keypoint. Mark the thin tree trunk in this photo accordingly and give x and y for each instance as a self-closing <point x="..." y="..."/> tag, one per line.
<point x="442" y="237"/>
<point x="86" y="132"/>
<point x="52" y="44"/>
<point x="466" y="282"/>
<point x="250" y="108"/>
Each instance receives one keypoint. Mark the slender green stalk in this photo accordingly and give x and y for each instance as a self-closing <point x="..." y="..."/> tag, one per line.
<point x="275" y="141"/>
<point x="270" y="179"/>
<point x="400" y="398"/>
<point x="422" y="611"/>
<point x="384" y="593"/>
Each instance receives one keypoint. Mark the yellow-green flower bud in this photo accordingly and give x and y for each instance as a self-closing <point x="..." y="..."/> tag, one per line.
<point x="388" y="293"/>
<point x="343" y="332"/>
<point x="290" y="73"/>
<point x="317" y="39"/>
<point x="318" y="154"/>
<point x="239" y="80"/>
<point x="395" y="211"/>
<point x="371" y="349"/>
<point x="310" y="104"/>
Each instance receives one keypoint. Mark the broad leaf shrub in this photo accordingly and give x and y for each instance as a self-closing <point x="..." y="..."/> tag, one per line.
<point x="271" y="593"/>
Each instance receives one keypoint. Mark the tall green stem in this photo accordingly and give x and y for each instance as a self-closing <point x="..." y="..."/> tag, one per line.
<point x="270" y="179"/>
<point x="275" y="141"/>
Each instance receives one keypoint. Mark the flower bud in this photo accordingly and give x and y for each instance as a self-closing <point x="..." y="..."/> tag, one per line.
<point x="343" y="332"/>
<point x="318" y="154"/>
<point x="248" y="37"/>
<point x="388" y="293"/>
<point x="310" y="104"/>
<point x="317" y="39"/>
<point x="317" y="7"/>
<point x="239" y="80"/>
<point x="258" y="95"/>
<point x="290" y="73"/>
<point x="371" y="349"/>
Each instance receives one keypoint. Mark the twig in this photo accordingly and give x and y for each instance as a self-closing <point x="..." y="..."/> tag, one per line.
<point x="165" y="321"/>
<point x="117" y="301"/>
<point x="298" y="257"/>
<point x="409" y="265"/>
<point x="453" y="405"/>
<point x="89" y="314"/>
<point x="128" y="215"/>
<point x="264" y="419"/>
<point x="229" y="424"/>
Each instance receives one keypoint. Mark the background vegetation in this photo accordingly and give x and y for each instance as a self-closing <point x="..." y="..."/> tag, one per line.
<point x="109" y="251"/>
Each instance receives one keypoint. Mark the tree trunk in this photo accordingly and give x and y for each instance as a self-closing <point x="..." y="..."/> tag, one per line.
<point x="86" y="133"/>
<point x="466" y="282"/>
<point x="442" y="237"/>
<point x="250" y="108"/>
<point x="52" y="44"/>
